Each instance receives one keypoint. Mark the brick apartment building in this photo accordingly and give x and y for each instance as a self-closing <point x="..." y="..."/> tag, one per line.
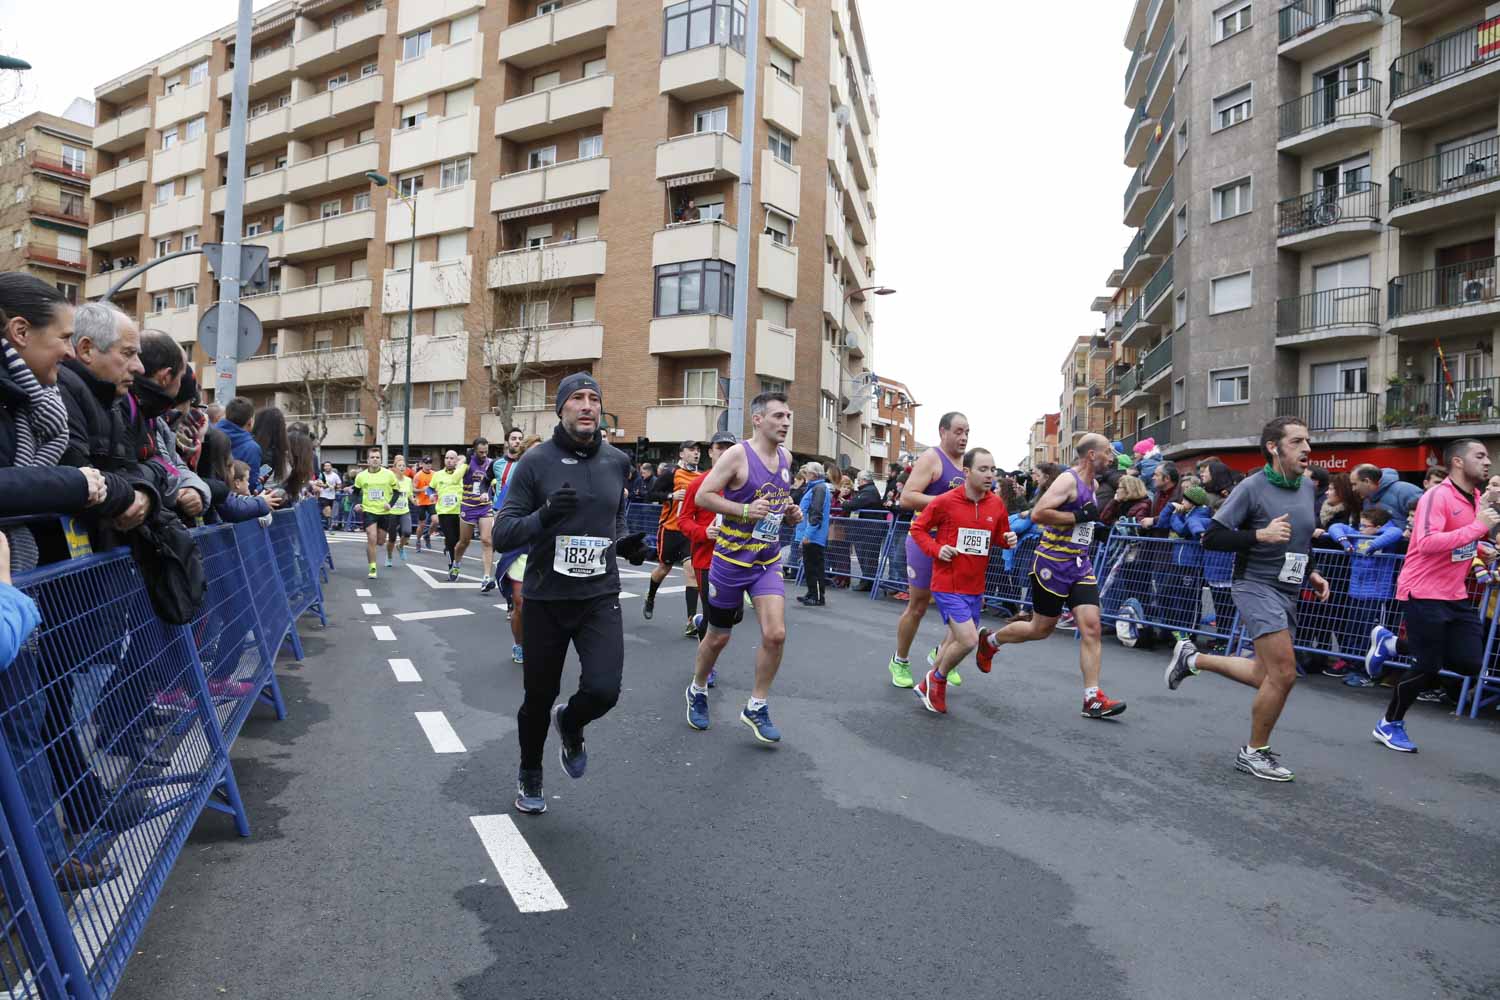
<point x="45" y="163"/>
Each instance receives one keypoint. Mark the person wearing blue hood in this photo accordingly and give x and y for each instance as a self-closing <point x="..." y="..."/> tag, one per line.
<point x="239" y="415"/>
<point x="1383" y="488"/>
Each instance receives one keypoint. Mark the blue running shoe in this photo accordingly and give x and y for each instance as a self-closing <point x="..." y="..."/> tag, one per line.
<point x="1355" y="679"/>
<point x="517" y="654"/>
<point x="575" y="759"/>
<point x="713" y="677"/>
<point x="1393" y="735"/>
<point x="697" y="710"/>
<point x="1382" y="648"/>
<point x="402" y="553"/>
<point x="760" y="723"/>
<point x="529" y="797"/>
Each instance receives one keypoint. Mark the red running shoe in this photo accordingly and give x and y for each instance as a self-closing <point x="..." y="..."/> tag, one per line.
<point x="1101" y="706"/>
<point x="984" y="653"/>
<point x="933" y="690"/>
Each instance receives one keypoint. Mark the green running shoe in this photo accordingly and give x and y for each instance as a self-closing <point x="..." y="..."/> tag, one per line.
<point x="953" y="677"/>
<point x="900" y="674"/>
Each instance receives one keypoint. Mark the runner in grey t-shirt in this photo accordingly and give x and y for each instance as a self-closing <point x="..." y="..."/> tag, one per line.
<point x="1267" y="522"/>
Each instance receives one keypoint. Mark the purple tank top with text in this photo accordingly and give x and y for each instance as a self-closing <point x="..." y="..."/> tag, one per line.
<point x="1062" y="555"/>
<point x="756" y="543"/>
<point x="946" y="480"/>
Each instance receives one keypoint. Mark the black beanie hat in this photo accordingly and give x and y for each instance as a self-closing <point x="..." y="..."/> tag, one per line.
<point x="574" y="382"/>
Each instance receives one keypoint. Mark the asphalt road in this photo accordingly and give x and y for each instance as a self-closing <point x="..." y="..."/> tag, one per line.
<point x="1009" y="849"/>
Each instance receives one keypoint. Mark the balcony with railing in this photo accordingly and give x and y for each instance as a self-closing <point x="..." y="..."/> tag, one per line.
<point x="1333" y="314"/>
<point x="1160" y="432"/>
<point x="1158" y="289"/>
<point x="76" y="168"/>
<point x="1138" y="263"/>
<point x="1455" y="185"/>
<point x="1129" y="383"/>
<point x="1158" y="161"/>
<point x="1137" y="135"/>
<point x="1329" y="114"/>
<point x="1135" y="82"/>
<point x="1310" y="27"/>
<point x="1447" y="74"/>
<point x="1157" y="362"/>
<point x="1456" y="297"/>
<point x="1328" y="214"/>
<point x="63" y="258"/>
<point x="1138" y="197"/>
<point x="1160" y="80"/>
<point x="1451" y="407"/>
<point x="70" y="211"/>
<point x="1332" y="411"/>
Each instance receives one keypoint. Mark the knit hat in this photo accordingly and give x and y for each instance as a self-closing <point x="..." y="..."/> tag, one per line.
<point x="574" y="382"/>
<point x="1196" y="495"/>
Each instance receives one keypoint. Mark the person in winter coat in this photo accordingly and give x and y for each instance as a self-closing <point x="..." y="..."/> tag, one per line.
<point x="1147" y="460"/>
<point x="1372" y="582"/>
<point x="866" y="501"/>
<point x="225" y="505"/>
<point x="1164" y="493"/>
<point x="812" y="532"/>
<point x="155" y="391"/>
<point x="1130" y="501"/>
<point x="239" y="417"/>
<point x="1383" y="488"/>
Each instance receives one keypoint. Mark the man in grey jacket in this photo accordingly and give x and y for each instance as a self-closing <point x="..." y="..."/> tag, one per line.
<point x="565" y="504"/>
<point x="155" y="393"/>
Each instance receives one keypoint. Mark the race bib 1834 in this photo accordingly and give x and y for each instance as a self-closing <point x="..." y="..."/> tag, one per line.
<point x="580" y="555"/>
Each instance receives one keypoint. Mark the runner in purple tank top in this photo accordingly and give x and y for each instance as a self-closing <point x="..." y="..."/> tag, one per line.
<point x="751" y="488"/>
<point x="939" y="470"/>
<point x="1062" y="573"/>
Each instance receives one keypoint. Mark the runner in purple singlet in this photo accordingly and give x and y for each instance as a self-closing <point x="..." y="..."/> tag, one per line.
<point x="1062" y="573"/>
<point x="939" y="470"/>
<point x="751" y="488"/>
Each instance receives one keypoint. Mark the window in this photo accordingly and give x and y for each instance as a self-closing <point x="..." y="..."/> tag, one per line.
<point x="712" y="120"/>
<point x="192" y="184"/>
<point x="590" y="147"/>
<point x="69" y="292"/>
<point x="254" y="228"/>
<point x="408" y="186"/>
<point x="594" y="67"/>
<point x="533" y="314"/>
<point x="1182" y="141"/>
<point x="160" y="301"/>
<point x="532" y="394"/>
<point x="1229" y="386"/>
<point x="773" y="310"/>
<point x="169" y="138"/>
<point x="583" y="309"/>
<point x="416" y="46"/>
<point x="546" y="81"/>
<point x="461" y="29"/>
<point x="772" y="385"/>
<point x="185" y="297"/>
<point x="162" y="247"/>
<point x="190" y="240"/>
<point x="1179" y="311"/>
<point x="453" y="246"/>
<point x="454" y="173"/>
<point x="20" y="148"/>
<point x="711" y="208"/>
<point x="74" y="159"/>
<point x="1233" y="108"/>
<point x="401" y="255"/>
<point x="548" y="7"/>
<point x="197" y="74"/>
<point x="1229" y="293"/>
<point x="782" y="64"/>
<point x="21" y="194"/>
<point x="442" y="396"/>
<point x="366" y="135"/>
<point x="1231" y="19"/>
<point x="412" y="117"/>
<point x="830" y="410"/>
<point x="1342" y="377"/>
<point x="194" y="128"/>
<point x="331" y="208"/>
<point x="458" y="102"/>
<point x="1180" y="226"/>
<point x="260" y="109"/>
<point x="175" y="84"/>
<point x="781" y="145"/>
<point x="1179" y="395"/>
<point x="368" y="69"/>
<point x="698" y="286"/>
<point x="323" y="340"/>
<point x="373" y="5"/>
<point x="778" y="227"/>
<point x="362" y="201"/>
<point x="538" y="235"/>
<point x="701" y="385"/>
<point x="696" y="23"/>
<point x="280" y="162"/>
<point x="335" y="82"/>
<point x="1231" y="199"/>
<point x="1348" y="177"/>
<point x="17" y="238"/>
<point x="544" y="157"/>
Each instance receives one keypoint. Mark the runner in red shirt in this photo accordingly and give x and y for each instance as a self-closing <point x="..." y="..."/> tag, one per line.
<point x="702" y="527"/>
<point x="956" y="530"/>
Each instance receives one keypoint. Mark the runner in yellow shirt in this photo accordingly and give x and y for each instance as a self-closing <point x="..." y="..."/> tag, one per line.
<point x="374" y="488"/>
<point x="448" y="485"/>
<point x="400" y="529"/>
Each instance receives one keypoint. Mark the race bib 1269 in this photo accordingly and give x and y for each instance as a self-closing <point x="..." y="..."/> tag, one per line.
<point x="973" y="542"/>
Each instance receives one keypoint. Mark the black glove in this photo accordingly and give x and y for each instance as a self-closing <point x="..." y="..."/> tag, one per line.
<point x="632" y="548"/>
<point x="1088" y="512"/>
<point x="560" y="506"/>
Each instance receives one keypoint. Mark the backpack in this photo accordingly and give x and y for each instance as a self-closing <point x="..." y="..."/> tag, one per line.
<point x="171" y="567"/>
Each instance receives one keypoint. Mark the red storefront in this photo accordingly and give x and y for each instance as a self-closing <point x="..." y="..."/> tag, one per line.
<point x="1402" y="458"/>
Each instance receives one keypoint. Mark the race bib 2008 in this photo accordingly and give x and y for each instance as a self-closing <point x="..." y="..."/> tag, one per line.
<point x="580" y="555"/>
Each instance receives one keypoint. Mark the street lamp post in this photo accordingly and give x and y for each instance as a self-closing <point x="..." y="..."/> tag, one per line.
<point x="844" y="312"/>
<point x="381" y="180"/>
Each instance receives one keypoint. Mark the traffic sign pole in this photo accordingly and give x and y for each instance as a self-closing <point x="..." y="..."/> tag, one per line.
<point x="226" y="360"/>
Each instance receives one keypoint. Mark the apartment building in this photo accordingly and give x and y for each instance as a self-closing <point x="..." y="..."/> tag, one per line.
<point x="1315" y="195"/>
<point x="1042" y="445"/>
<point x="893" y="429"/>
<point x="1082" y="406"/>
<point x="569" y="174"/>
<point x="45" y="165"/>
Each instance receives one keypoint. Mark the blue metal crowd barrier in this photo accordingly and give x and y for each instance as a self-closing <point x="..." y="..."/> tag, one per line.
<point x="1166" y="583"/>
<point x="116" y="733"/>
<point x="643" y="517"/>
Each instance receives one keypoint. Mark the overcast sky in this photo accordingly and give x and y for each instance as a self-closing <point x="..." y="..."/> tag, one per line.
<point x="1000" y="181"/>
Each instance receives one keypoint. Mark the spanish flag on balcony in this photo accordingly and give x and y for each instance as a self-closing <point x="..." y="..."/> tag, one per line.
<point x="1489" y="38"/>
<point x="1447" y="375"/>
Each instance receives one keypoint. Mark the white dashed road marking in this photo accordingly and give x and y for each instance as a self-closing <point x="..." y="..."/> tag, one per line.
<point x="525" y="879"/>
<point x="440" y="732"/>
<point x="405" y="672"/>
<point x="422" y="616"/>
<point x="370" y="609"/>
<point x="383" y="633"/>
<point x="361" y="592"/>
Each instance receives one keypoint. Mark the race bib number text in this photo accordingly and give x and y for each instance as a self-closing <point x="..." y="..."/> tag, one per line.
<point x="448" y="499"/>
<point x="1083" y="534"/>
<point x="973" y="541"/>
<point x="768" y="529"/>
<point x="1293" y="568"/>
<point x="580" y="555"/>
<point x="1465" y="553"/>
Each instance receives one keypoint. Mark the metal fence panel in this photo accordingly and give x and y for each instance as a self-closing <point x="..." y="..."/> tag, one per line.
<point x="1168" y="583"/>
<point x="297" y="564"/>
<point x="266" y="591"/>
<point x="643" y="517"/>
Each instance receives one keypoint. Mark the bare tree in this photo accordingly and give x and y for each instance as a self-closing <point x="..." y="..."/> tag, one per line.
<point x="512" y="320"/>
<point x="313" y="375"/>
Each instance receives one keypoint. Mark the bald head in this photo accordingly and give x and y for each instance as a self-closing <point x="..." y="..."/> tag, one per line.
<point x="1092" y="442"/>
